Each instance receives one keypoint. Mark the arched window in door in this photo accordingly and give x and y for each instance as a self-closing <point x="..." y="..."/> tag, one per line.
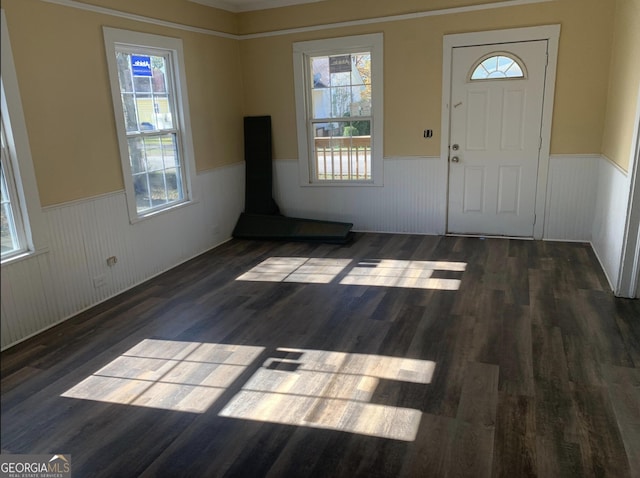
<point x="498" y="66"/>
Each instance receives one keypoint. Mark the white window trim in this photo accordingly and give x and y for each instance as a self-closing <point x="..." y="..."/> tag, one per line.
<point x="334" y="46"/>
<point x="20" y="154"/>
<point x="10" y="185"/>
<point x="113" y="36"/>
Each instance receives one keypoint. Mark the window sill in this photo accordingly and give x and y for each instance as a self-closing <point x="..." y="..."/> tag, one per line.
<point x="24" y="256"/>
<point x="153" y="214"/>
<point x="339" y="184"/>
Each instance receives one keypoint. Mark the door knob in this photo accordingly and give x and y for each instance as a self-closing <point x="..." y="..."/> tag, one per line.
<point x="455" y="159"/>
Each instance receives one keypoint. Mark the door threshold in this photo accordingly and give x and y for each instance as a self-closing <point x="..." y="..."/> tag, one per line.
<point x="488" y="236"/>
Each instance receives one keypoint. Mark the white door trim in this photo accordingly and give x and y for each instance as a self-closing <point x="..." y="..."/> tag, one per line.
<point x="551" y="33"/>
<point x="629" y="278"/>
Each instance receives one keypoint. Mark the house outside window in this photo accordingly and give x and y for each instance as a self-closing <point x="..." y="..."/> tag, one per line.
<point x="339" y="110"/>
<point x="151" y="107"/>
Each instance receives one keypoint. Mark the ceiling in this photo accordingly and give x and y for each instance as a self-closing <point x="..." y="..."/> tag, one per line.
<point x="249" y="5"/>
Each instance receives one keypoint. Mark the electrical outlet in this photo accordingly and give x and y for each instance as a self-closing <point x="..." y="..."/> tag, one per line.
<point x="99" y="281"/>
<point x="111" y="261"/>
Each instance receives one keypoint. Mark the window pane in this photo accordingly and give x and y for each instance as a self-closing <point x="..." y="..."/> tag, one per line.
<point x="155" y="165"/>
<point x="124" y="72"/>
<point x="159" y="77"/>
<point x="361" y="101"/>
<point x="174" y="184"/>
<point x="8" y="232"/>
<point x="496" y="67"/>
<point x="321" y="102"/>
<point x="162" y="111"/>
<point x="341" y="79"/>
<point x="153" y="152"/>
<point x="142" y="84"/>
<point x="170" y="151"/>
<point x="361" y="128"/>
<point x="344" y="129"/>
<point x="341" y="86"/>
<point x="146" y="115"/>
<point x="137" y="156"/>
<point x="340" y="101"/>
<point x="145" y="94"/>
<point x="130" y="112"/>
<point x="362" y="72"/>
<point x="141" y="189"/>
<point x="320" y="72"/>
<point x="341" y="151"/>
<point x="514" y="71"/>
<point x="157" y="188"/>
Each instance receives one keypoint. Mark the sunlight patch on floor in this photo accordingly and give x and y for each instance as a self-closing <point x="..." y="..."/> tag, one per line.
<point x="331" y="390"/>
<point x="296" y="269"/>
<point x="171" y="375"/>
<point x="407" y="274"/>
<point x="300" y="387"/>
<point x="439" y="275"/>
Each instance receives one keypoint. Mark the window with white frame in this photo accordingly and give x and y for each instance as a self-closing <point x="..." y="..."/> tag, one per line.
<point x="338" y="85"/>
<point x="151" y="107"/>
<point x="498" y="66"/>
<point x="12" y="230"/>
<point x="22" y="227"/>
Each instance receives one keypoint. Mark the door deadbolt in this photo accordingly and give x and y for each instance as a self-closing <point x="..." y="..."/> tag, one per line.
<point x="455" y="147"/>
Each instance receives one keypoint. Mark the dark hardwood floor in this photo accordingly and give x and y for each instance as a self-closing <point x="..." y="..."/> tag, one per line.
<point x="393" y="356"/>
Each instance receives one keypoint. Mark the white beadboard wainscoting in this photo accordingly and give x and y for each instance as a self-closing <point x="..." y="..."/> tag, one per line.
<point x="607" y="237"/>
<point x="571" y="200"/>
<point x="412" y="199"/>
<point x="40" y="291"/>
<point x="586" y="201"/>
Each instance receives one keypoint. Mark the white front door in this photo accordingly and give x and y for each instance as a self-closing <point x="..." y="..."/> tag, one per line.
<point x="497" y="94"/>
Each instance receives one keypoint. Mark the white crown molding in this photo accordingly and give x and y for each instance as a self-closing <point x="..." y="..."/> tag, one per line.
<point x="140" y="18"/>
<point x="238" y="6"/>
<point x="395" y="18"/>
<point x="326" y="26"/>
<point x="221" y="4"/>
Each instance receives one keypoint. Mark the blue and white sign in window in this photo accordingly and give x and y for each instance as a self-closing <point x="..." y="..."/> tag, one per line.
<point x="141" y="65"/>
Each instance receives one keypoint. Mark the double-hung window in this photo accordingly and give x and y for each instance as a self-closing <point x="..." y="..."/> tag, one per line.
<point x="151" y="107"/>
<point x="13" y="231"/>
<point x="339" y="110"/>
<point x="23" y="231"/>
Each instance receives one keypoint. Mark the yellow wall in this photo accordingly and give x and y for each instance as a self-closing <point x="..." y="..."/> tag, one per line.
<point x="413" y="72"/>
<point x="183" y="12"/>
<point x="333" y="11"/>
<point x="624" y="84"/>
<point x="61" y="67"/>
